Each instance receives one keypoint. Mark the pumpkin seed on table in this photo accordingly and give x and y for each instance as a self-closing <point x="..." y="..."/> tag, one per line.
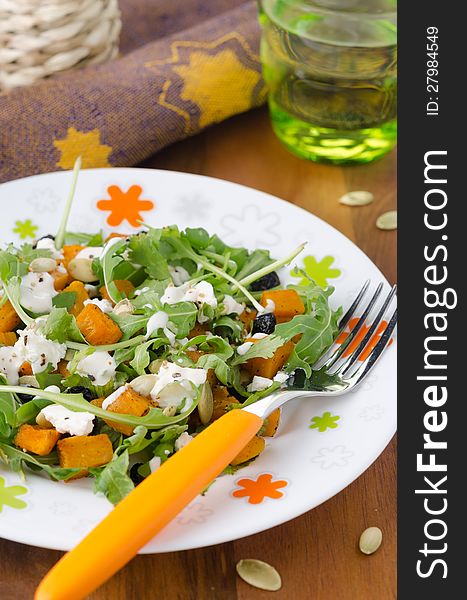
<point x="259" y="574"/>
<point x="358" y="198"/>
<point x="370" y="540"/>
<point x="387" y="221"/>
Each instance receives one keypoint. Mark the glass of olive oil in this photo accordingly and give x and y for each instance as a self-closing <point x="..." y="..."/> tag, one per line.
<point x="331" y="70"/>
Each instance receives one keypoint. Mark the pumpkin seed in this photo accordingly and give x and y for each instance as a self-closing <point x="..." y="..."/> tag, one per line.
<point x="124" y="307"/>
<point x="81" y="269"/>
<point x="205" y="404"/>
<point x="370" y="540"/>
<point x="259" y="574"/>
<point x="143" y="384"/>
<point x="43" y="264"/>
<point x="387" y="220"/>
<point x="169" y="411"/>
<point x="359" y="198"/>
<point x="42" y="422"/>
<point x="28" y="381"/>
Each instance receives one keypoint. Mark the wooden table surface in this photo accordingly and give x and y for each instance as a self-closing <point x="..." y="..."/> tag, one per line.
<point x="316" y="554"/>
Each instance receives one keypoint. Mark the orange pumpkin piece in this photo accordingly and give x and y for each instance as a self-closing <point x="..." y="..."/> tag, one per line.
<point x="37" y="440"/>
<point x="287" y="304"/>
<point x="198" y="329"/>
<point x="269" y="367"/>
<point x="25" y="369"/>
<point x="84" y="451"/>
<point x="128" y="403"/>
<point x="272" y="423"/>
<point x="247" y="317"/>
<point x="8" y="338"/>
<point x="253" y="449"/>
<point x="61" y="279"/>
<point x="62" y="368"/>
<point x="97" y="327"/>
<point x="123" y="286"/>
<point x="8" y="318"/>
<point x="222" y="399"/>
<point x="115" y="234"/>
<point x="81" y="296"/>
<point x="69" y="253"/>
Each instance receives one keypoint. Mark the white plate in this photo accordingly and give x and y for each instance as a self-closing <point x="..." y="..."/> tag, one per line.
<point x="301" y="466"/>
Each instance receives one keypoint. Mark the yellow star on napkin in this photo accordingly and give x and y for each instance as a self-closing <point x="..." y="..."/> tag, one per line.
<point x="85" y="144"/>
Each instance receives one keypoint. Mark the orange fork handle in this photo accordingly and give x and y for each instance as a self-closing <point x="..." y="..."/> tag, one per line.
<point x="148" y="508"/>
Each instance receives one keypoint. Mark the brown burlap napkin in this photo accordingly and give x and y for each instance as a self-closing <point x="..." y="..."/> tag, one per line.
<point x="183" y="66"/>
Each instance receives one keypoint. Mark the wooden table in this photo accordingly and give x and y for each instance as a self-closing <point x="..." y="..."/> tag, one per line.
<point x="316" y="554"/>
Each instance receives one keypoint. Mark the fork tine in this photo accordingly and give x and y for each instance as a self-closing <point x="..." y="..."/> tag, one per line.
<point x="344" y="368"/>
<point x="377" y="351"/>
<point x="353" y="307"/>
<point x="352" y="335"/>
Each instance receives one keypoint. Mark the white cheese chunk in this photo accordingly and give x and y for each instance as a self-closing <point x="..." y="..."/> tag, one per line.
<point x="243" y="349"/>
<point x="98" y="366"/>
<point x="259" y="384"/>
<point x="36" y="292"/>
<point x="182" y="440"/>
<point x="49" y="244"/>
<point x="231" y="306"/>
<point x="68" y="421"/>
<point x="105" y="306"/>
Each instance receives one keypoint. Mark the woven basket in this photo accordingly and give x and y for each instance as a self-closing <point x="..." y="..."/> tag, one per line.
<point x="42" y="37"/>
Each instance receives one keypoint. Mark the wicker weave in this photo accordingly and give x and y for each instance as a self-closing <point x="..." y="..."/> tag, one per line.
<point x="42" y="37"/>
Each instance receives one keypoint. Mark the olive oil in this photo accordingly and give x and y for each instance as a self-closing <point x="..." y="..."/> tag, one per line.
<point x="332" y="80"/>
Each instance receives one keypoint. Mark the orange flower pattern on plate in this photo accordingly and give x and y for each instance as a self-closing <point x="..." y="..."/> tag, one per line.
<point x="359" y="337"/>
<point x="125" y="205"/>
<point x="256" y="490"/>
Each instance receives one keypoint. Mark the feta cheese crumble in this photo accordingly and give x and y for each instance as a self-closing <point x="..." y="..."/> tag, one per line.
<point x="49" y="244"/>
<point x="36" y="292"/>
<point x="68" y="421"/>
<point x="99" y="367"/>
<point x="182" y="440"/>
<point x="243" y="349"/>
<point x="231" y="306"/>
<point x="104" y="305"/>
<point x="259" y="384"/>
<point x="37" y="350"/>
<point x="200" y="293"/>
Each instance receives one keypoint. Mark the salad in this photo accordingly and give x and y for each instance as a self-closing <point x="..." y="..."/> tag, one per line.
<point x="115" y="351"/>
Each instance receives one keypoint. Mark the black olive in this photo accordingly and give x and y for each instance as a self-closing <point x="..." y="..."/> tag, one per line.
<point x="80" y="389"/>
<point x="135" y="477"/>
<point x="264" y="324"/>
<point x="44" y="237"/>
<point x="266" y="282"/>
<point x="25" y="397"/>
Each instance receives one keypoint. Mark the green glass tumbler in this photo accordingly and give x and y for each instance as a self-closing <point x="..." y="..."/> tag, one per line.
<point x="331" y="70"/>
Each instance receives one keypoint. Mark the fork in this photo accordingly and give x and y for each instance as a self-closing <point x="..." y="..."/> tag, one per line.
<point x="162" y="495"/>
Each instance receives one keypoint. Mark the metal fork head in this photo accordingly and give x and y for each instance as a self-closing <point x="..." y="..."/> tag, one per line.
<point x="338" y="371"/>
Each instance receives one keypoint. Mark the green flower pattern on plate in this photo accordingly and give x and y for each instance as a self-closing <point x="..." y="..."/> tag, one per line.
<point x="25" y="229"/>
<point x="326" y="421"/>
<point x="319" y="271"/>
<point x="8" y="495"/>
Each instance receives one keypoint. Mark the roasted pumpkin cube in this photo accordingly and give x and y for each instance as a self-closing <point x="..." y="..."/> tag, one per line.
<point x="8" y="338"/>
<point x="62" y="368"/>
<point x="287" y="304"/>
<point x="122" y="285"/>
<point x="128" y="403"/>
<point x="97" y="327"/>
<point x="253" y="449"/>
<point x="269" y="367"/>
<point x="272" y="423"/>
<point x="84" y="451"/>
<point x="37" y="440"/>
<point x="222" y="399"/>
<point x="25" y="369"/>
<point x="247" y="317"/>
<point x="81" y="296"/>
<point x="69" y="253"/>
<point x="198" y="329"/>
<point x="61" y="278"/>
<point x="9" y="320"/>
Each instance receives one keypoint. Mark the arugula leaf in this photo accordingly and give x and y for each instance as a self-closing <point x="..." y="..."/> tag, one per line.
<point x="221" y="368"/>
<point x="64" y="300"/>
<point x="226" y="326"/>
<point x="166" y="445"/>
<point x="142" y="358"/>
<point x="183" y="316"/>
<point x="112" y="480"/>
<point x="48" y="377"/>
<point x="61" y="326"/>
<point x="130" y="324"/>
<point x="109" y="261"/>
<point x="255" y="261"/>
<point x="85" y="239"/>
<point x="264" y="348"/>
<point x="8" y="407"/>
<point x="144" y="250"/>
